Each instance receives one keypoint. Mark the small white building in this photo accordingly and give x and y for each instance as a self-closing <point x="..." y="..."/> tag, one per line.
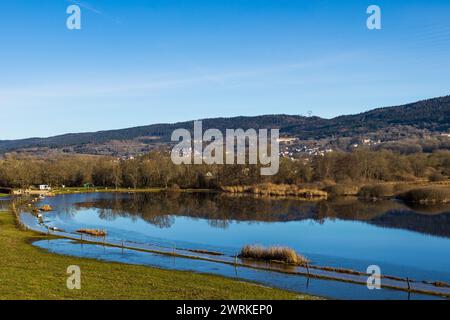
<point x="44" y="187"/>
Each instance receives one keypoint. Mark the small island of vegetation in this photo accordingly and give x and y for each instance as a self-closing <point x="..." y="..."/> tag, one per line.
<point x="276" y="254"/>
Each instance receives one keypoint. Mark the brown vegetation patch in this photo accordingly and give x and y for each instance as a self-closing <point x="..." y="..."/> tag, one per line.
<point x="46" y="208"/>
<point x="376" y="191"/>
<point x="275" y="253"/>
<point x="427" y="195"/>
<point x="270" y="189"/>
<point x="93" y="232"/>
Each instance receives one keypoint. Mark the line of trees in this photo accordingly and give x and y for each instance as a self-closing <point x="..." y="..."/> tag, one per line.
<point x="157" y="170"/>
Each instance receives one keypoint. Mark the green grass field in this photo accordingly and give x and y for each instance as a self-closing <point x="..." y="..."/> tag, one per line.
<point x="28" y="272"/>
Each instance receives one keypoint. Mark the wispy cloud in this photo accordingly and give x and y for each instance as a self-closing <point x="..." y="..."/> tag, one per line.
<point x="138" y="86"/>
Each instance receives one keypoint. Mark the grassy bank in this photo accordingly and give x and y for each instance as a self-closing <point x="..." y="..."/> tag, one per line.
<point x="28" y="272"/>
<point x="2" y="195"/>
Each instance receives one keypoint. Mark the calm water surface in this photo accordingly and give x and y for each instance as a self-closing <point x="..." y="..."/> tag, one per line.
<point x="5" y="203"/>
<point x="403" y="241"/>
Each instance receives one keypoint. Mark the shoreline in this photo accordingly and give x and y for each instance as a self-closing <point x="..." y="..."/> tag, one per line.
<point x="133" y="281"/>
<point x="317" y="189"/>
<point x="313" y="271"/>
<point x="278" y="191"/>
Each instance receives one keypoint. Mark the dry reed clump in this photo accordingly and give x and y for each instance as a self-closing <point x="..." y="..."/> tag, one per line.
<point x="46" y="208"/>
<point x="93" y="232"/>
<point x="270" y="189"/>
<point x="275" y="253"/>
<point x="427" y="195"/>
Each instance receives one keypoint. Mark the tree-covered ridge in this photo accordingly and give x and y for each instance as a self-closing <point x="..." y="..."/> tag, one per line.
<point x="432" y="115"/>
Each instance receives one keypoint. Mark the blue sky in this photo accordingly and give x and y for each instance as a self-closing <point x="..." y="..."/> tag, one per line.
<point x="140" y="62"/>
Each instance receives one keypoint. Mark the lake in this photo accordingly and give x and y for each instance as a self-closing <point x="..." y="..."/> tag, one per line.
<point x="404" y="241"/>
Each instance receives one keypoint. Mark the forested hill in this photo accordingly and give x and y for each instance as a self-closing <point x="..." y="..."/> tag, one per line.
<point x="432" y="115"/>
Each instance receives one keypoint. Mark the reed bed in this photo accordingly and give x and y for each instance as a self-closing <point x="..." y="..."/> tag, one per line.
<point x="93" y="232"/>
<point x="274" y="253"/>
<point x="427" y="195"/>
<point x="270" y="189"/>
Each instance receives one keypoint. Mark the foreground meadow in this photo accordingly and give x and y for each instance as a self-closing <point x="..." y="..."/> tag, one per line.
<point x="28" y="272"/>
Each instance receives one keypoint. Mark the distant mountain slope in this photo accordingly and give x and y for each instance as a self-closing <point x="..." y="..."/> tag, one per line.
<point x="432" y="114"/>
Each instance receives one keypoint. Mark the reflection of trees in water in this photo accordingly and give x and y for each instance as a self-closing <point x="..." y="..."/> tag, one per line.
<point x="5" y="204"/>
<point x="221" y="224"/>
<point x="429" y="209"/>
<point x="434" y="220"/>
<point x="437" y="225"/>
<point x="161" y="208"/>
<point x="353" y="209"/>
<point x="63" y="204"/>
<point x="219" y="210"/>
<point x="131" y="208"/>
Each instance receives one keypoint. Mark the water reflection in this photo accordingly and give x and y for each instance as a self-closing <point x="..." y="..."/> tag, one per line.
<point x="5" y="203"/>
<point x="343" y="233"/>
<point x="160" y="209"/>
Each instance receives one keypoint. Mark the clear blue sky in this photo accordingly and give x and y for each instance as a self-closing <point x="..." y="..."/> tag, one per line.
<point x="139" y="62"/>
